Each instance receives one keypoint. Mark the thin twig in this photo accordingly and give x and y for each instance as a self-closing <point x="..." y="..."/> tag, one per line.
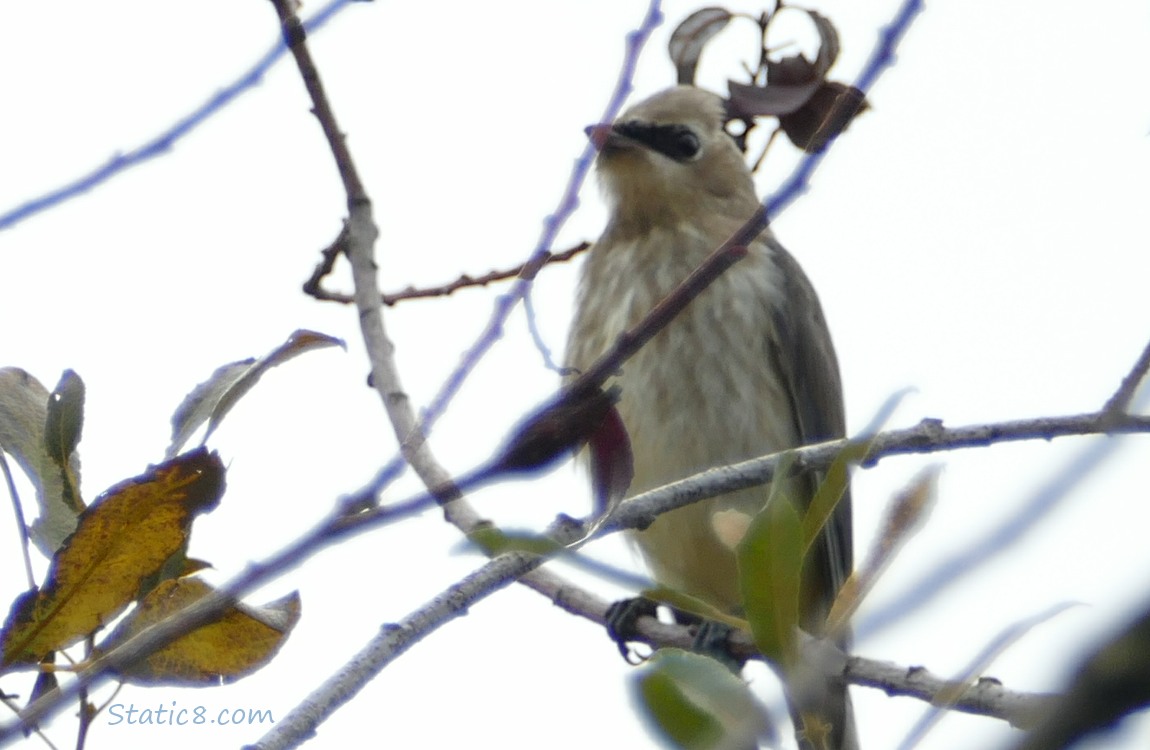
<point x="970" y="677"/>
<point x="1120" y="401"/>
<point x="393" y="640"/>
<point x="987" y="697"/>
<point x="294" y="36"/>
<point x="163" y="143"/>
<point x="314" y="287"/>
<point x="21" y="524"/>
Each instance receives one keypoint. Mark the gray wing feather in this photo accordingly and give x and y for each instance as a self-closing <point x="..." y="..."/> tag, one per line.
<point x="805" y="358"/>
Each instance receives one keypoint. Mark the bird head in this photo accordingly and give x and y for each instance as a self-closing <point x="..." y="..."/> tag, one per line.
<point x="668" y="158"/>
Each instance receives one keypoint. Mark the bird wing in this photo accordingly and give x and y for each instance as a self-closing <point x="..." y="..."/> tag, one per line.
<point x="805" y="359"/>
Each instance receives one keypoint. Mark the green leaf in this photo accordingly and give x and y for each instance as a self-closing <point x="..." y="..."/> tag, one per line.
<point x="62" y="427"/>
<point x="697" y="703"/>
<point x="770" y="560"/>
<point x="831" y="490"/>
<point x="683" y="723"/>
<point x="65" y="418"/>
<point x="494" y="541"/>
<point x="686" y="603"/>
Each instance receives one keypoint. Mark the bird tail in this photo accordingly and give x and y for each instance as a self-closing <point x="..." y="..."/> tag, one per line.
<point x="829" y="726"/>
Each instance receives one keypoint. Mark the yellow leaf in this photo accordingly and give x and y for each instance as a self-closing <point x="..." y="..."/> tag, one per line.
<point x="124" y="537"/>
<point x="237" y="644"/>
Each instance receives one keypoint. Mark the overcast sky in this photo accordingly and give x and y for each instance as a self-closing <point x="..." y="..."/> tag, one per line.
<point x="978" y="236"/>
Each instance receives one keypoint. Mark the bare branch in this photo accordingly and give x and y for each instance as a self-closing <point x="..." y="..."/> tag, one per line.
<point x="986" y="697"/>
<point x="391" y="642"/>
<point x="929" y="436"/>
<point x="314" y="285"/>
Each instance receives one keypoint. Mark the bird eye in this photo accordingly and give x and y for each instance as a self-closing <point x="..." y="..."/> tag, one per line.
<point x="683" y="144"/>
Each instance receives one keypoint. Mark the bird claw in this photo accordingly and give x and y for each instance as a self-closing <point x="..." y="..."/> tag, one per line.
<point x="711" y="639"/>
<point x="622" y="618"/>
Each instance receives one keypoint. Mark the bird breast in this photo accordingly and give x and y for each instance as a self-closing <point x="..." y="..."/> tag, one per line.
<point x="702" y="393"/>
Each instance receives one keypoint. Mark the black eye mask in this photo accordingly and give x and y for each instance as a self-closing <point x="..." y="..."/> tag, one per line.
<point x="676" y="142"/>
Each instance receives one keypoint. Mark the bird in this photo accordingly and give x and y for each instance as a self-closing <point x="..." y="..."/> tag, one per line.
<point x="746" y="369"/>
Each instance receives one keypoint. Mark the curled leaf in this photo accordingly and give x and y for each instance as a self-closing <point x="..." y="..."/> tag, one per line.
<point x="554" y="430"/>
<point x="612" y="463"/>
<point x="828" y="42"/>
<point x="197" y="406"/>
<point x="748" y="101"/>
<point x="210" y="401"/>
<point x="796" y="69"/>
<point x="689" y="38"/>
<point x="494" y="541"/>
<point x="828" y="106"/>
<point x="811" y="109"/>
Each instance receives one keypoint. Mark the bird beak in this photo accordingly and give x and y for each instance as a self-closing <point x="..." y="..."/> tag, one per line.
<point x="605" y="137"/>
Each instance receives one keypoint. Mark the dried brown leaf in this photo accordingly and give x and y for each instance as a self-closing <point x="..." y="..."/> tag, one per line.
<point x="553" y="431"/>
<point x="811" y="110"/>
<point x="689" y="38"/>
<point x="824" y="116"/>
<point x="612" y="463"/>
<point x="904" y="517"/>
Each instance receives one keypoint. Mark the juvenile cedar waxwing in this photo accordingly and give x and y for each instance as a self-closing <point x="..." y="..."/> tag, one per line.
<point x="745" y="370"/>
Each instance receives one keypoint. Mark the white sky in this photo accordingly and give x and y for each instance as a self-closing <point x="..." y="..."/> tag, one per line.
<point x="977" y="236"/>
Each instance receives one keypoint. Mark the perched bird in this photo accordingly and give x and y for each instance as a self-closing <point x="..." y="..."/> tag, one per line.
<point x="745" y="370"/>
